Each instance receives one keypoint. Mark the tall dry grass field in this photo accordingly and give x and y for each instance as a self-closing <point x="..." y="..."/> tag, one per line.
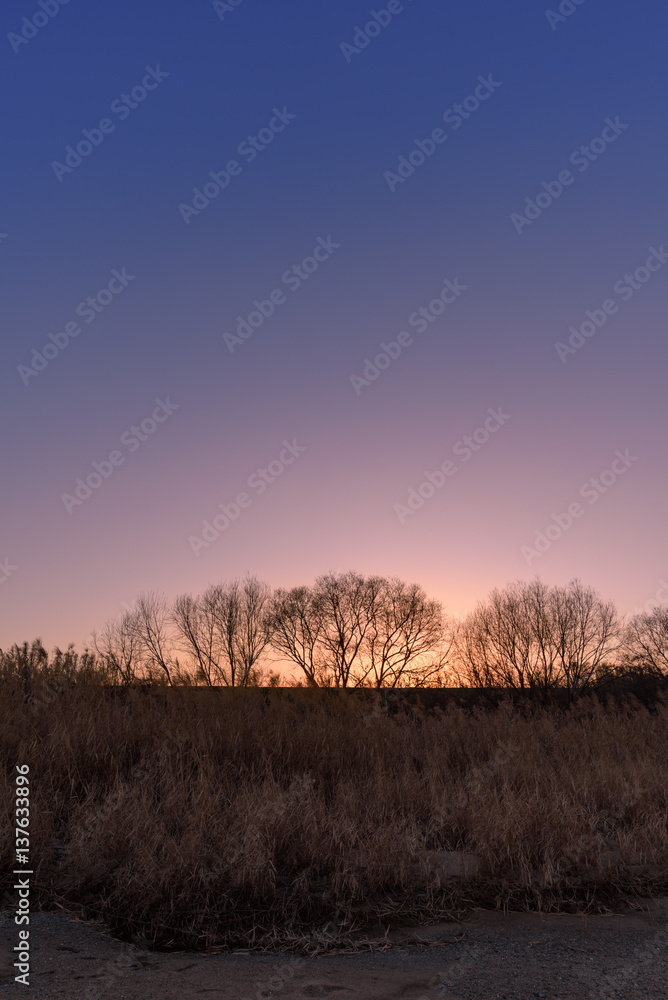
<point x="192" y="818"/>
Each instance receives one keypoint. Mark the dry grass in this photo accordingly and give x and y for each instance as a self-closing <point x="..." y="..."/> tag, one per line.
<point x="191" y="818"/>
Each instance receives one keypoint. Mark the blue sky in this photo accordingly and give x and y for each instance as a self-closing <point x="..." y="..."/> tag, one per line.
<point x="323" y="176"/>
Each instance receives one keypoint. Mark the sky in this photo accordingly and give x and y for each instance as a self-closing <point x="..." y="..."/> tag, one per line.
<point x="292" y="288"/>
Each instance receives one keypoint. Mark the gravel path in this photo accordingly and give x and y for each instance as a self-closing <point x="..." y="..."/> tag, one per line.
<point x="514" y="957"/>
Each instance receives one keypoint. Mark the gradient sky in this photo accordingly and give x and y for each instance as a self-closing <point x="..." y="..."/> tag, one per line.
<point x="67" y="571"/>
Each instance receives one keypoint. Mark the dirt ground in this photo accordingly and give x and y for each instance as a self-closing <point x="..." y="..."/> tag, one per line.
<point x="514" y="956"/>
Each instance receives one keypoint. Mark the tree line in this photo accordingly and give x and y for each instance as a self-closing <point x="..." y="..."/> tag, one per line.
<point x="348" y="630"/>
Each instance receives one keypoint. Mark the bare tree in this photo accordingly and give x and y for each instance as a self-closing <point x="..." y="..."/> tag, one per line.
<point x="240" y="612"/>
<point x="345" y="605"/>
<point x="118" y="646"/>
<point x="406" y="641"/>
<point x="646" y="642"/>
<point x="222" y="633"/>
<point x="535" y="601"/>
<point x="531" y="636"/>
<point x="349" y="630"/>
<point x="586" y="632"/>
<point x="295" y="627"/>
<point x="505" y="641"/>
<point x="196" y="627"/>
<point x="323" y="628"/>
<point x="152" y="623"/>
<point x="253" y="636"/>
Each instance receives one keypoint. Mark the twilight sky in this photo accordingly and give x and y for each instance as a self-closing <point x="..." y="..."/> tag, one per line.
<point x="194" y="383"/>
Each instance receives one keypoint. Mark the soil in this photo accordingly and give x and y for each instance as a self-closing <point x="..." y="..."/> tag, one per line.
<point x="516" y="956"/>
